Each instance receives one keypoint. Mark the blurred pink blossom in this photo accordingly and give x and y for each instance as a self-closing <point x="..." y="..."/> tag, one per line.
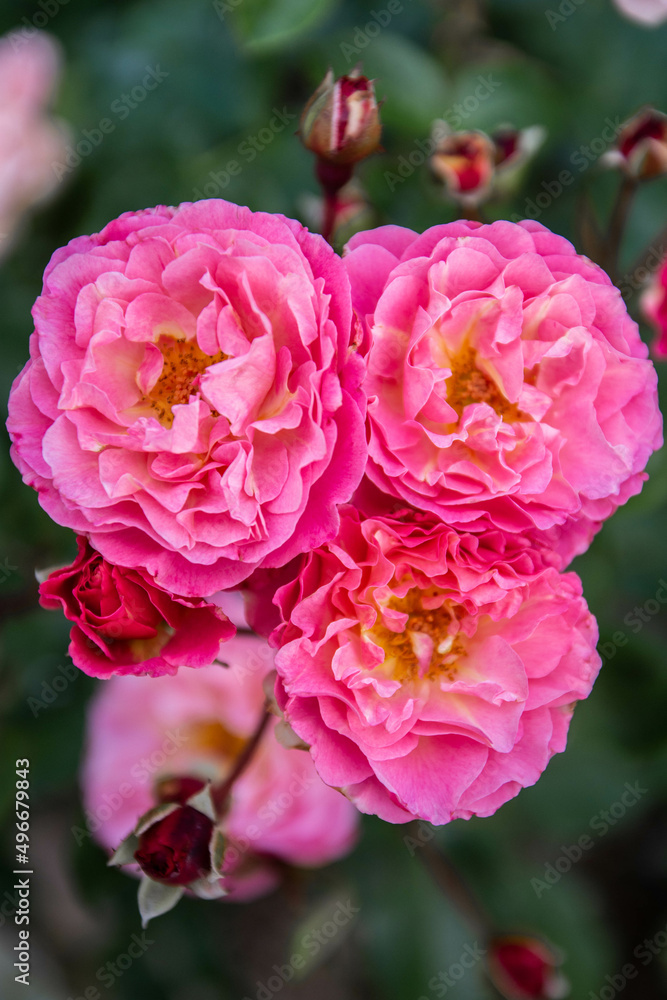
<point x="142" y="731"/>
<point x="647" y="12"/>
<point x="30" y="139"/>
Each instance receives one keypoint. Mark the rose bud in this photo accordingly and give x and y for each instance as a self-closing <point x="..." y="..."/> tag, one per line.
<point x="514" y="146"/>
<point x="177" y="845"/>
<point x="525" y="968"/>
<point x="178" y="789"/>
<point x="341" y="121"/>
<point x="124" y="623"/>
<point x="176" y="849"/>
<point x="641" y="146"/>
<point x="465" y="163"/>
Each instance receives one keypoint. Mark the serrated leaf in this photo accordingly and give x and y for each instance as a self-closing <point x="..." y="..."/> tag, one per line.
<point x="218" y="844"/>
<point x="154" y="815"/>
<point x="203" y="802"/>
<point x="155" y="898"/>
<point x="124" y="853"/>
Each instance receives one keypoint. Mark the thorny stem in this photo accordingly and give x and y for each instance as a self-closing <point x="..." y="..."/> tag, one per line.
<point x="220" y="793"/>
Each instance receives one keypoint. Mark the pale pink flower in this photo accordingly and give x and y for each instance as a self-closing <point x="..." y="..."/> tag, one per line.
<point x="647" y="12"/>
<point x="507" y="384"/>
<point x="125" y="624"/>
<point x="142" y="731"/>
<point x="432" y="674"/>
<point x="192" y="402"/>
<point x="30" y="140"/>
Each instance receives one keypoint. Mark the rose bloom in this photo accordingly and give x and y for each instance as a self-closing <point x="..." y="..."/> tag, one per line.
<point x="125" y="624"/>
<point x="507" y="384"/>
<point x="192" y="402"/>
<point x="433" y="674"/>
<point x="143" y="731"/>
<point x="30" y="141"/>
<point x="647" y="12"/>
<point x="654" y="307"/>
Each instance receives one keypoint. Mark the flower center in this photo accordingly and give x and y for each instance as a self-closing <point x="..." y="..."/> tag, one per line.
<point x="430" y="643"/>
<point x="468" y="384"/>
<point x="184" y="363"/>
<point x="212" y="739"/>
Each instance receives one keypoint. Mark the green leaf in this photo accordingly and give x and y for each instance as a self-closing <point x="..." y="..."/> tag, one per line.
<point x="155" y="899"/>
<point x="270" y="24"/>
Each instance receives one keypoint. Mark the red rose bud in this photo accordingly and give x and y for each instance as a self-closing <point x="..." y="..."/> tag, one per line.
<point x="641" y="146"/>
<point x="465" y="163"/>
<point x="525" y="968"/>
<point x="124" y="623"/>
<point x="514" y="146"/>
<point x="177" y="849"/>
<point x="178" y="789"/>
<point x="341" y="121"/>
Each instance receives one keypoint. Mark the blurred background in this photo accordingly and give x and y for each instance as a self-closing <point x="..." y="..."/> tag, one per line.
<point x="231" y="79"/>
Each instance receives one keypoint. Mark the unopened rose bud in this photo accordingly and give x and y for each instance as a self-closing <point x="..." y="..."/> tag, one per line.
<point x="525" y="968"/>
<point x="465" y="163"/>
<point x="514" y="146"/>
<point x="341" y="121"/>
<point x="178" y="789"/>
<point x="641" y="146"/>
<point x="177" y="849"/>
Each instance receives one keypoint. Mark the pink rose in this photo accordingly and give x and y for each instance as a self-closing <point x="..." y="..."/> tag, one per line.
<point x="507" y="384"/>
<point x="30" y="141"/>
<point x="647" y="12"/>
<point x="654" y="307"/>
<point x="125" y="624"/>
<point x="192" y="402"/>
<point x="432" y="674"/>
<point x="143" y="732"/>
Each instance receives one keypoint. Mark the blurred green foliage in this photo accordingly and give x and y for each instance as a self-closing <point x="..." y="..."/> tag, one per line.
<point x="230" y="65"/>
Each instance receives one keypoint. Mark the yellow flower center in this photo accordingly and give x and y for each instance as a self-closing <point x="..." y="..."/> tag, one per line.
<point x="468" y="384"/>
<point x="404" y="651"/>
<point x="212" y="739"/>
<point x="184" y="362"/>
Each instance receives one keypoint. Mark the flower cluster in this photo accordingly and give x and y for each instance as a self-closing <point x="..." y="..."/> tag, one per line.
<point x="394" y="454"/>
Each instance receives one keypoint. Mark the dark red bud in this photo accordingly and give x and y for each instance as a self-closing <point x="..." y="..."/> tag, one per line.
<point x="178" y="789"/>
<point x="176" y="849"/>
<point x="524" y="968"/>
